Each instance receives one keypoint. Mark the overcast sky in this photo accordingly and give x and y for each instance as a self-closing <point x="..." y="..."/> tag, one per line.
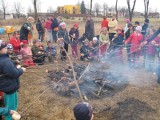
<point x="45" y="4"/>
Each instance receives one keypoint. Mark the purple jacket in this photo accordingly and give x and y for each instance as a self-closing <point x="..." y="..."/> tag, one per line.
<point x="150" y="48"/>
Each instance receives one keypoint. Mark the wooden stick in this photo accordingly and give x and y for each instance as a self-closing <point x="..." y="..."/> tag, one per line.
<point x="74" y="76"/>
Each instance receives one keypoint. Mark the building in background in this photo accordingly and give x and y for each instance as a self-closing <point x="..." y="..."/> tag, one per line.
<point x="69" y="9"/>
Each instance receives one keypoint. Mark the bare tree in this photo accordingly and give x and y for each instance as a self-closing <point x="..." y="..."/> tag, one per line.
<point x="35" y="8"/>
<point x="123" y="11"/>
<point x="131" y="10"/>
<point x="4" y="8"/>
<point x="91" y="6"/>
<point x="146" y="6"/>
<point x="97" y="8"/>
<point x="105" y="9"/>
<point x="116" y="8"/>
<point x="50" y="9"/>
<point x="18" y="9"/>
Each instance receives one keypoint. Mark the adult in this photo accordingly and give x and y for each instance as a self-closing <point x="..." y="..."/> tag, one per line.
<point x="112" y="27"/>
<point x="26" y="29"/>
<point x="63" y="33"/>
<point x="55" y="25"/>
<point x="15" y="41"/>
<point x="145" y="26"/>
<point x="39" y="29"/>
<point x="83" y="111"/>
<point x="89" y="28"/>
<point x="48" y="26"/>
<point x="104" y="23"/>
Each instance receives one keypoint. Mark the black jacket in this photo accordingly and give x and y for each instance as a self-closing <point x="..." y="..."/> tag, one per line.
<point x="24" y="31"/>
<point x="9" y="75"/>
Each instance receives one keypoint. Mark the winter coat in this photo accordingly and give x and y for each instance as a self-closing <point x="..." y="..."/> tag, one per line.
<point x="104" y="23"/>
<point x="135" y="40"/>
<point x="118" y="41"/>
<point x="112" y="26"/>
<point x="63" y="34"/>
<point x="150" y="48"/>
<point x="15" y="43"/>
<point x="85" y="50"/>
<point x="4" y="111"/>
<point x="104" y="38"/>
<point x="128" y="33"/>
<point x="144" y="29"/>
<point x="24" y="31"/>
<point x="9" y="75"/>
<point x="55" y="24"/>
<point x="89" y="29"/>
<point x="39" y="27"/>
<point x="48" y="25"/>
<point x="51" y="50"/>
<point x="74" y="41"/>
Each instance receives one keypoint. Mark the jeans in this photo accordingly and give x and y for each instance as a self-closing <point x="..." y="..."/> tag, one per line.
<point x="149" y="62"/>
<point x="54" y="35"/>
<point x="49" y="35"/>
<point x="41" y="36"/>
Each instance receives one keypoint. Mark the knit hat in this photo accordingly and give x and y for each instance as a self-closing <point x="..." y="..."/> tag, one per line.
<point x="139" y="28"/>
<point x="24" y="41"/>
<point x="10" y="46"/>
<point x="86" y="41"/>
<point x="83" y="111"/>
<point x="2" y="44"/>
<point x="62" y="23"/>
<point x="75" y="25"/>
<point x="146" y="20"/>
<point x="95" y="38"/>
<point x="127" y="20"/>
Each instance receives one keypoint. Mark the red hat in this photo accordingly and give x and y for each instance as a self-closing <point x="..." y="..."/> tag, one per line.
<point x="24" y="41"/>
<point x="75" y="24"/>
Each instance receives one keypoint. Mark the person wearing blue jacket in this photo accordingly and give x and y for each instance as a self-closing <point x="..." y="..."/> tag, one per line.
<point x="51" y="51"/>
<point x="9" y="76"/>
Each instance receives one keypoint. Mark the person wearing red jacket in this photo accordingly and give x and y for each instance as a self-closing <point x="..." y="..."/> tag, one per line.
<point x="135" y="39"/>
<point x="104" y="22"/>
<point x="15" y="41"/>
<point x="48" y="26"/>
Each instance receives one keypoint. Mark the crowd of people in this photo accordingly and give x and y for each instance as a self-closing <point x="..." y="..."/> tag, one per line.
<point x="23" y="50"/>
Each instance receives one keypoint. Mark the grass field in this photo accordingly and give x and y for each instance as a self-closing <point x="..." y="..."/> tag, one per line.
<point x="51" y="106"/>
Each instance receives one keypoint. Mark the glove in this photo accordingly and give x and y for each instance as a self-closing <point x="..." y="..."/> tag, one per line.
<point x="29" y="28"/>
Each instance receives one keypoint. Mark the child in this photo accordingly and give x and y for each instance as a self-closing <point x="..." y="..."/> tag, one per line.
<point x="104" y="39"/>
<point x="83" y="111"/>
<point x="9" y="79"/>
<point x="11" y="54"/>
<point x="118" y="44"/>
<point x="51" y="51"/>
<point x="38" y="53"/>
<point x="135" y="39"/>
<point x="62" y="50"/>
<point x="85" y="51"/>
<point x="150" y="51"/>
<point x="94" y="47"/>
<point x="74" y="35"/>
<point x="27" y="54"/>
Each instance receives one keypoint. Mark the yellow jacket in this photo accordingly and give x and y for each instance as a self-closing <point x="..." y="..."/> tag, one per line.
<point x="112" y="26"/>
<point x="104" y="38"/>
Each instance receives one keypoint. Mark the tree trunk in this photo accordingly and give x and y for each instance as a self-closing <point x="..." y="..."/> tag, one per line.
<point x="35" y="9"/>
<point x="146" y="6"/>
<point x="116" y="9"/>
<point x="4" y="14"/>
<point x="91" y="7"/>
<point x="130" y="11"/>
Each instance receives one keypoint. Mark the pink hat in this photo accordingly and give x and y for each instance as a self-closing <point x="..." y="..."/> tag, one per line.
<point x="127" y="20"/>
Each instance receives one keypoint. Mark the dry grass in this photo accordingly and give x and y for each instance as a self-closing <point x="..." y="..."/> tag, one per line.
<point x="51" y="106"/>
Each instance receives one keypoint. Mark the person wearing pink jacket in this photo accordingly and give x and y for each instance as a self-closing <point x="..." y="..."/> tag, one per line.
<point x="48" y="26"/>
<point x="135" y="39"/>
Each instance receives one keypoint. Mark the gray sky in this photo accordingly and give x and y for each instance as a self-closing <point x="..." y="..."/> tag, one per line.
<point x="45" y="4"/>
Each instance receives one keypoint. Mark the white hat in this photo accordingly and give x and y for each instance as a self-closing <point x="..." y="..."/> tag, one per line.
<point x="10" y="46"/>
<point x="62" y="23"/>
<point x="139" y="28"/>
<point x="95" y="38"/>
